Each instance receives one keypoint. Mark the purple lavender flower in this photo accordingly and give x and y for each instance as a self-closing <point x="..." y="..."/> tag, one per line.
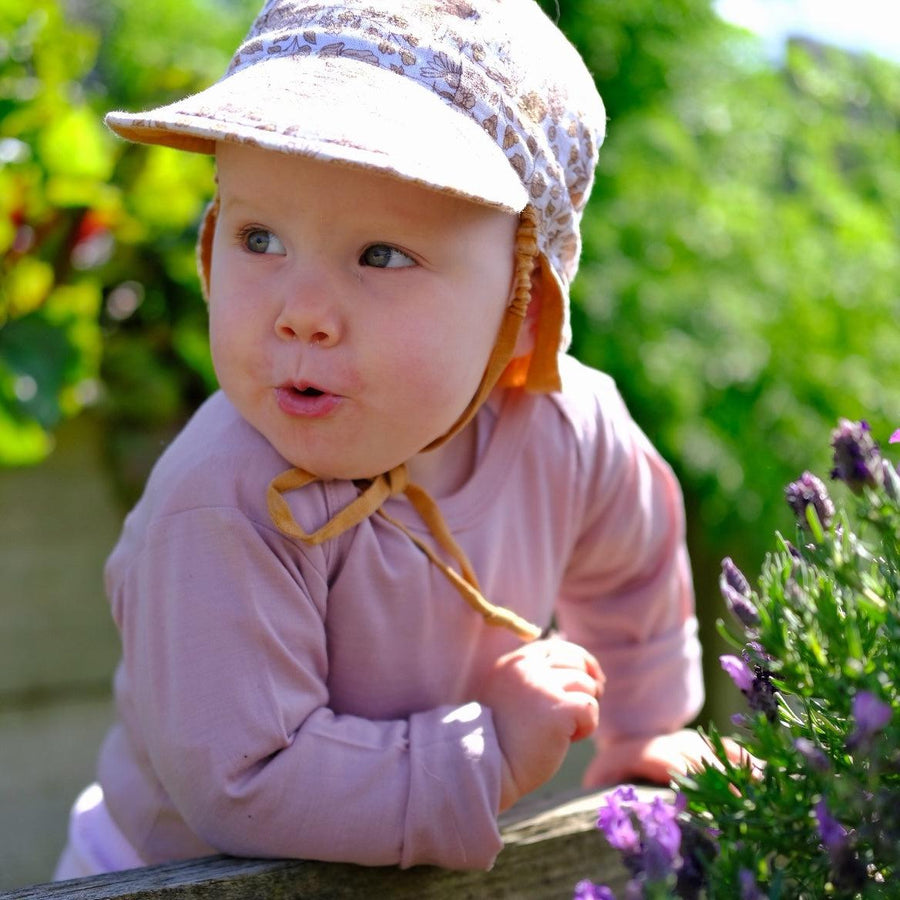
<point x="808" y="490"/>
<point x="762" y="695"/>
<point x="869" y="712"/>
<point x="832" y="833"/>
<point x="857" y="460"/>
<point x="738" y="671"/>
<point x="614" y="820"/>
<point x="754" y="654"/>
<point x="847" y="870"/>
<point x="587" y="890"/>
<point x="812" y="754"/>
<point x="870" y="715"/>
<point x="895" y="437"/>
<point x="662" y="837"/>
<point x="749" y="888"/>
<point x="698" y="850"/>
<point x="737" y="595"/>
<point x="647" y="835"/>
<point x="734" y="577"/>
<point x="755" y="684"/>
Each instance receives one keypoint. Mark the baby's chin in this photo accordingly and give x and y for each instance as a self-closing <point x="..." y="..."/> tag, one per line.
<point x="335" y="470"/>
<point x="328" y="462"/>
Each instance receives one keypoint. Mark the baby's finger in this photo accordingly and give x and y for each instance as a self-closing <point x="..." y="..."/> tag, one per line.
<point x="592" y="667"/>
<point x="586" y="711"/>
<point x="560" y="653"/>
<point x="577" y="681"/>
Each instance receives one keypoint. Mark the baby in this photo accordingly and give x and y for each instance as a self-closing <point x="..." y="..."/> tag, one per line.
<point x="336" y="595"/>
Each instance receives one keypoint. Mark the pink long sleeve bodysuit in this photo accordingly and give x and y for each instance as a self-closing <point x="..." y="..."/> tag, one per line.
<point x="277" y="699"/>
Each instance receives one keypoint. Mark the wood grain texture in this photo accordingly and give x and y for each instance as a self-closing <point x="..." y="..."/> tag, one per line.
<point x="549" y="847"/>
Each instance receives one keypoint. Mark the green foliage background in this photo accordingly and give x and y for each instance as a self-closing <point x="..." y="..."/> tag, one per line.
<point x="740" y="274"/>
<point x="739" y="280"/>
<point x="99" y="301"/>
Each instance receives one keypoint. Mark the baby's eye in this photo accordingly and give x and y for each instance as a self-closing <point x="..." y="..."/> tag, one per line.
<point x="383" y="256"/>
<point x="260" y="240"/>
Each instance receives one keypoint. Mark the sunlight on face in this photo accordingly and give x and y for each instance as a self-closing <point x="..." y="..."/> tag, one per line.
<point x="351" y="314"/>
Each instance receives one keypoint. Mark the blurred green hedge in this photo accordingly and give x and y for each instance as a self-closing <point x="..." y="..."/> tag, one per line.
<point x="739" y="280"/>
<point x="741" y="274"/>
<point x="99" y="303"/>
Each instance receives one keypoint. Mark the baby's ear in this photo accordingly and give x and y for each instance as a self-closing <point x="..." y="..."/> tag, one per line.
<point x="204" y="245"/>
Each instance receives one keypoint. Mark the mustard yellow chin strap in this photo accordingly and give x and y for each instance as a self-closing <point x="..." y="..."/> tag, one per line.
<point x="368" y="503"/>
<point x="396" y="481"/>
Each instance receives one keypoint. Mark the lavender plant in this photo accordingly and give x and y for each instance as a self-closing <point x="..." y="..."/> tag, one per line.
<point x="814" y="812"/>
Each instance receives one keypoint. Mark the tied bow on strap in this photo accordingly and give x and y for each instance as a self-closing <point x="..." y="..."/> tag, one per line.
<point x="370" y="502"/>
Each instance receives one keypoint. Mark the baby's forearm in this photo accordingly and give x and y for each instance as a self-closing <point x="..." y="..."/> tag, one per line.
<point x="404" y="792"/>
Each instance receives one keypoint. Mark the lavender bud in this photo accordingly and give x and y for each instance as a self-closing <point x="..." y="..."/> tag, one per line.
<point x="749" y="888"/>
<point x="662" y="837"/>
<point x="614" y="820"/>
<point x="833" y="834"/>
<point x="857" y="460"/>
<point x="756" y="685"/>
<point x="738" y="671"/>
<point x="587" y="890"/>
<point x="742" y="608"/>
<point x="761" y="697"/>
<point x="870" y="715"/>
<point x="809" y="490"/>
<point x="754" y="654"/>
<point x="735" y="590"/>
<point x="734" y="577"/>
<point x="812" y="754"/>
<point x="848" y="872"/>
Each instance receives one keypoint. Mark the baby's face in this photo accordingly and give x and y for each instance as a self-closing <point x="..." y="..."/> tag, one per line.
<point x="351" y="314"/>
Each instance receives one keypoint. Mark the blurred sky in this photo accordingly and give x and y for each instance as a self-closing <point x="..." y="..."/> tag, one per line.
<point x="872" y="25"/>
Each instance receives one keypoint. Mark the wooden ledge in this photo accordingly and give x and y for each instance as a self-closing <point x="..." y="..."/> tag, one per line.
<point x="550" y="846"/>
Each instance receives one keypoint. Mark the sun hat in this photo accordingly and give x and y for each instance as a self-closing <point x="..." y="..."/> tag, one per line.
<point x="485" y="99"/>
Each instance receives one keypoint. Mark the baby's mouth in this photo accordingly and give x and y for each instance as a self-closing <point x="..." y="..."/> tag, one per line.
<point x="306" y="401"/>
<point x="301" y="389"/>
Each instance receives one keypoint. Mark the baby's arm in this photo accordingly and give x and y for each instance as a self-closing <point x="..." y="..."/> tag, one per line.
<point x="542" y="696"/>
<point x="656" y="758"/>
<point x="225" y="685"/>
<point x="627" y="596"/>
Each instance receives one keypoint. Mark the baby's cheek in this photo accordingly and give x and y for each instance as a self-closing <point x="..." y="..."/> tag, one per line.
<point x="448" y="376"/>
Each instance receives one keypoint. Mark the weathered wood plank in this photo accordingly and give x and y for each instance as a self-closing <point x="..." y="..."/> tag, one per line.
<point x="549" y="848"/>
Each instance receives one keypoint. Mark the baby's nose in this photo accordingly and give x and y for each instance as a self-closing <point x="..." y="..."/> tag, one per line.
<point x="309" y="314"/>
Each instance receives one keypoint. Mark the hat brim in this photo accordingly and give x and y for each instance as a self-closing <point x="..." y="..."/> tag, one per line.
<point x="343" y="110"/>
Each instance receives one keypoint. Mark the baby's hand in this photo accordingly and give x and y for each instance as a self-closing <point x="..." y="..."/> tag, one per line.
<point x="656" y="758"/>
<point x="542" y="697"/>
